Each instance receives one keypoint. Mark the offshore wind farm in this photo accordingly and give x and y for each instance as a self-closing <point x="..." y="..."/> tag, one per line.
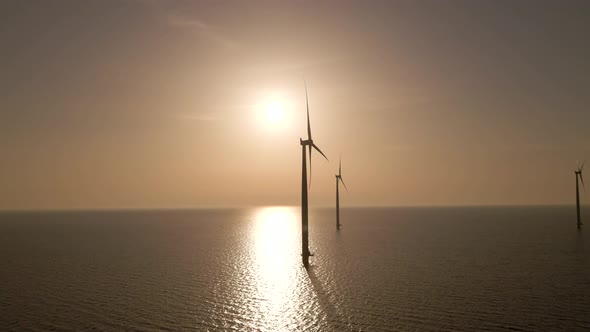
<point x="238" y="268"/>
<point x="150" y="177"/>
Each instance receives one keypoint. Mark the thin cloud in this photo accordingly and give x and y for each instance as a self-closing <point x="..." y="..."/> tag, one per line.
<point x="204" y="29"/>
<point x="175" y="19"/>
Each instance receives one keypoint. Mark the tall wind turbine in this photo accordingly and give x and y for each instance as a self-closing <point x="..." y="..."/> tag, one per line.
<point x="579" y="173"/>
<point x="304" y="216"/>
<point x="339" y="179"/>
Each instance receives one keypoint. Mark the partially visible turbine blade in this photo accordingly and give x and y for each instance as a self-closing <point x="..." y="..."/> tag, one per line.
<point x="340" y="166"/>
<point x="307" y="105"/>
<point x="343" y="183"/>
<point x="309" y="166"/>
<point x="581" y="178"/>
<point x="320" y="151"/>
<point x="582" y="167"/>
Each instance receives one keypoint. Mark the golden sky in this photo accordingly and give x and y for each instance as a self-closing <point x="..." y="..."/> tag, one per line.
<point x="161" y="103"/>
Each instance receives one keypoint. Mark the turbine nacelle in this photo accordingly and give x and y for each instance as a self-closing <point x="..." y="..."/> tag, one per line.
<point x="305" y="142"/>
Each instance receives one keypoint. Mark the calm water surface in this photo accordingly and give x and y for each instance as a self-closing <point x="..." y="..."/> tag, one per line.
<point x="447" y="269"/>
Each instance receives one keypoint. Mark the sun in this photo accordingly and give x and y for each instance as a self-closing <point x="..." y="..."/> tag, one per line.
<point x="274" y="112"/>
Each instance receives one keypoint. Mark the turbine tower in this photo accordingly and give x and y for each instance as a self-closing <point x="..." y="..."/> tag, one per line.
<point x="339" y="179"/>
<point x="579" y="173"/>
<point x="305" y="253"/>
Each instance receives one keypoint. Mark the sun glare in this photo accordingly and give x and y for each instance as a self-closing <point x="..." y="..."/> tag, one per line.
<point x="275" y="112"/>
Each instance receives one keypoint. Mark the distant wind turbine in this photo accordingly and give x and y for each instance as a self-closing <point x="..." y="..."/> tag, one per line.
<point x="305" y="253"/>
<point x="579" y="173"/>
<point x="339" y="179"/>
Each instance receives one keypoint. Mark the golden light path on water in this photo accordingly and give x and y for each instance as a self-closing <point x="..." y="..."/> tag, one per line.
<point x="274" y="228"/>
<point x="285" y="297"/>
<point x="264" y="286"/>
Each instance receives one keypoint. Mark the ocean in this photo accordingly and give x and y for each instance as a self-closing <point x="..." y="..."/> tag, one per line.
<point x="386" y="269"/>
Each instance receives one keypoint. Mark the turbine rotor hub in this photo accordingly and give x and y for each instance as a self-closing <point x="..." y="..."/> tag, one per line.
<point x="306" y="142"/>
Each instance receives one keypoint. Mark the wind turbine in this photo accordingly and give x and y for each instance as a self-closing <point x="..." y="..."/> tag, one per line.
<point x="579" y="172"/>
<point x="304" y="215"/>
<point x="339" y="179"/>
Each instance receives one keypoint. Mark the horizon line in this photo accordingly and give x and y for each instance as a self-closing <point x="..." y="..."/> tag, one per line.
<point x="235" y="207"/>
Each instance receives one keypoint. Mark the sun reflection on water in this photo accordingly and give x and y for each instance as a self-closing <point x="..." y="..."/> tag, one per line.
<point x="275" y="228"/>
<point x="276" y="256"/>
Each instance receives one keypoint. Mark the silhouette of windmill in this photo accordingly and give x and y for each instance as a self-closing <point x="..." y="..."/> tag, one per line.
<point x="579" y="173"/>
<point x="339" y="179"/>
<point x="305" y="253"/>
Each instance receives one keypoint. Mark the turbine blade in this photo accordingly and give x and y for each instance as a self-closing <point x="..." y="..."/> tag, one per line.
<point x="320" y="151"/>
<point x="307" y="105"/>
<point x="581" y="178"/>
<point x="343" y="183"/>
<point x="309" y="166"/>
<point x="340" y="166"/>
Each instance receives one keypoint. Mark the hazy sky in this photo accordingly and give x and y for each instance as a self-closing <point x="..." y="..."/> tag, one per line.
<point x="139" y="103"/>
